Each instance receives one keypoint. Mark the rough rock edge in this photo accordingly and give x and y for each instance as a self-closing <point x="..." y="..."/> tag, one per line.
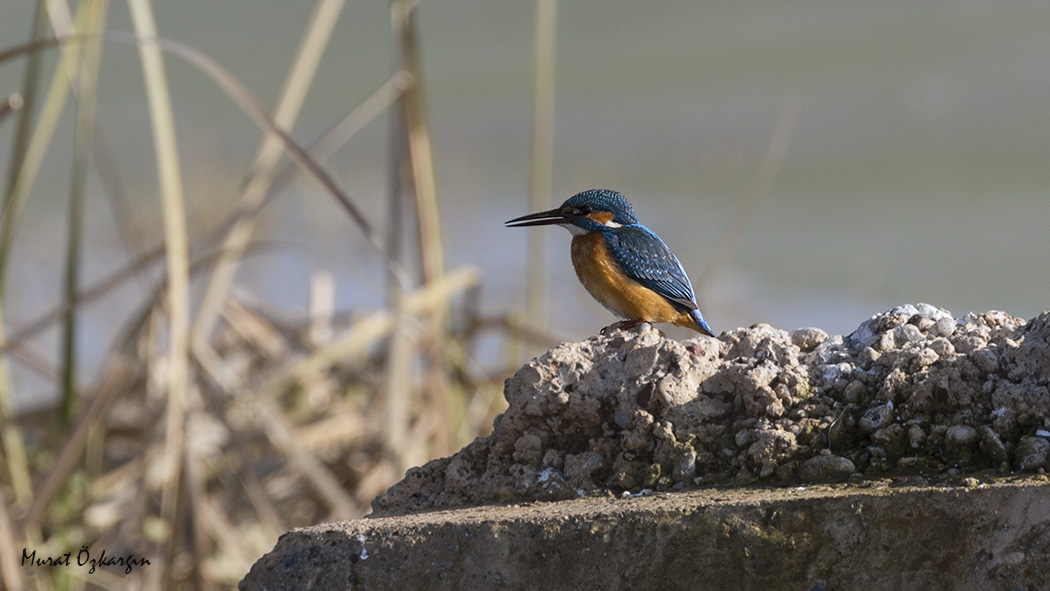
<point x="873" y="537"/>
<point x="912" y="391"/>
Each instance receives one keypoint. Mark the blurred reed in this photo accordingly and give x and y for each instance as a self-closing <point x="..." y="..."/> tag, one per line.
<point x="542" y="158"/>
<point x="215" y="424"/>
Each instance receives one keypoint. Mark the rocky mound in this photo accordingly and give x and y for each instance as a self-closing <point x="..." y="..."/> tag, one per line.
<point x="911" y="391"/>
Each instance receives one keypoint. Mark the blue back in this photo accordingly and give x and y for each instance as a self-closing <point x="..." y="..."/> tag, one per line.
<point x="644" y="257"/>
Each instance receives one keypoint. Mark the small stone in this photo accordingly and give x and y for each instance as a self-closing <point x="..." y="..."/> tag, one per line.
<point x="827" y="468"/>
<point x="892" y="440"/>
<point x="528" y="449"/>
<point x="840" y="433"/>
<point x="926" y="357"/>
<point x="807" y="339"/>
<point x="685" y="469"/>
<point x="908" y="333"/>
<point x="580" y="467"/>
<point x="916" y="436"/>
<point x="942" y="347"/>
<point x="945" y="327"/>
<point x="993" y="446"/>
<point x="876" y="418"/>
<point x="885" y="342"/>
<point x="985" y="359"/>
<point x="855" y="391"/>
<point x="960" y="442"/>
<point x="960" y="435"/>
<point x="868" y="357"/>
<point x="835" y="371"/>
<point x="1031" y="453"/>
<point x="967" y="343"/>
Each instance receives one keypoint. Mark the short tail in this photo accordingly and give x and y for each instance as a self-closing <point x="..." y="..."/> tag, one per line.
<point x="701" y="324"/>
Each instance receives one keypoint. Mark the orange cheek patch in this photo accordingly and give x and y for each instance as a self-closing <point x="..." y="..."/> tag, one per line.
<point x="602" y="217"/>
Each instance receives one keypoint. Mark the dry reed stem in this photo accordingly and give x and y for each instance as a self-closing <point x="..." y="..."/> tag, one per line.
<point x="365" y="332"/>
<point x="27" y="161"/>
<point x="13" y="442"/>
<point x="281" y="434"/>
<point x="397" y="386"/>
<point x="10" y="571"/>
<point x="321" y="308"/>
<point x="356" y="342"/>
<point x="355" y="120"/>
<point x="267" y="514"/>
<point x="90" y="23"/>
<point x="177" y="256"/>
<point x="227" y="538"/>
<point x="253" y="330"/>
<point x="28" y="99"/>
<point x="25" y="176"/>
<point x="44" y="321"/>
<point x="251" y="107"/>
<point x="542" y="159"/>
<point x="419" y="148"/>
<point x="11" y="105"/>
<point x="117" y="379"/>
<point x="339" y="427"/>
<point x="431" y="255"/>
<point x="199" y="520"/>
<point x="292" y="95"/>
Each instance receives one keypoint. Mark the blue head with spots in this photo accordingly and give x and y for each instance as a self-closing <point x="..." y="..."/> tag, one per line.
<point x="589" y="211"/>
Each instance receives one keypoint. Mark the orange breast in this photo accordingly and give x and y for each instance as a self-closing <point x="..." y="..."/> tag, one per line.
<point x="620" y="294"/>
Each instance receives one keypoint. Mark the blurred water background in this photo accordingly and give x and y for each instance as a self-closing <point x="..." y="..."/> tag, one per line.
<point x="917" y="169"/>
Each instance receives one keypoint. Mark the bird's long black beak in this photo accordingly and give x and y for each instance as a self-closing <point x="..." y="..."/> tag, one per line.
<point x="543" y="218"/>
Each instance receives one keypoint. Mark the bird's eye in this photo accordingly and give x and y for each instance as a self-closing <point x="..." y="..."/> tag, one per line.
<point x="586" y="210"/>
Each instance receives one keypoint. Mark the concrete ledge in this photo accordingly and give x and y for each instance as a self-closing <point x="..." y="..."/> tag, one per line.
<point x="986" y="536"/>
<point x="930" y="419"/>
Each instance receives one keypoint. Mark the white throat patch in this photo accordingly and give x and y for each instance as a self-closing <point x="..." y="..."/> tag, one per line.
<point x="578" y="231"/>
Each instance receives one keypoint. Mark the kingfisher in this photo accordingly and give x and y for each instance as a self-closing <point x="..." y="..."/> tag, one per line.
<point x="621" y="263"/>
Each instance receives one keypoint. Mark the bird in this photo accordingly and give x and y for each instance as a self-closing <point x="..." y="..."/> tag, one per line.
<point x="621" y="263"/>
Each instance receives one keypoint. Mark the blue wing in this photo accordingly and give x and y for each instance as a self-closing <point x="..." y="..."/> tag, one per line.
<point x="646" y="259"/>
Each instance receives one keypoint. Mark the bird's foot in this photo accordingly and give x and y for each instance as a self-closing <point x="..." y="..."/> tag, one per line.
<point x="625" y="325"/>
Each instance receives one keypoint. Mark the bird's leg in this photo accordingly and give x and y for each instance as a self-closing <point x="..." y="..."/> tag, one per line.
<point x="624" y="325"/>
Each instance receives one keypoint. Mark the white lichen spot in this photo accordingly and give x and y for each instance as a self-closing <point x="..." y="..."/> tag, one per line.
<point x="364" y="551"/>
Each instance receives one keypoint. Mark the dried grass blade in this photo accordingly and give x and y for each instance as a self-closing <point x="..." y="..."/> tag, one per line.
<point x="293" y="93"/>
<point x="176" y="252"/>
<point x="432" y="255"/>
<point x="542" y="159"/>
<point x="25" y="176"/>
<point x="10" y="571"/>
<point x="282" y="434"/>
<point x="91" y="22"/>
<point x="23" y="179"/>
<point x="254" y="110"/>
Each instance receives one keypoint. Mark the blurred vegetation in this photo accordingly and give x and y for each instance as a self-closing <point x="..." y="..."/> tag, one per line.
<point x="214" y="424"/>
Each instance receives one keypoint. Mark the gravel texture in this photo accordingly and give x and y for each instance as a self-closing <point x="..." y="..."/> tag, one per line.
<point x="912" y="392"/>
